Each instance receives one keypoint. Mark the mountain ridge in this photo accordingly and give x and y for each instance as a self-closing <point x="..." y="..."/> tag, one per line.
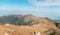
<point x="17" y="18"/>
<point x="29" y="25"/>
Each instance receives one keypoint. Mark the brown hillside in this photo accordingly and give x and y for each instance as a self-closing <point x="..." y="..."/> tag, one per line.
<point x="26" y="30"/>
<point x="42" y="26"/>
<point x="45" y="23"/>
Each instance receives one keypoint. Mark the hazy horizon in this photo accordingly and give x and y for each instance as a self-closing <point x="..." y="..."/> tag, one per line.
<point x="39" y="8"/>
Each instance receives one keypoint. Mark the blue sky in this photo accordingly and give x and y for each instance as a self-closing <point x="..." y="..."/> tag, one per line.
<point x="39" y="8"/>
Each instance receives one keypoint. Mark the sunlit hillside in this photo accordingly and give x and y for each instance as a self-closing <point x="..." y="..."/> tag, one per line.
<point x="28" y="25"/>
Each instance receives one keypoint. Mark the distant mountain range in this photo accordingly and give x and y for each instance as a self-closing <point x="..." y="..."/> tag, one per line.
<point x="17" y="19"/>
<point x="58" y="20"/>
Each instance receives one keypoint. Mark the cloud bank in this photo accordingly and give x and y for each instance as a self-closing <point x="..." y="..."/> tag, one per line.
<point x="45" y="2"/>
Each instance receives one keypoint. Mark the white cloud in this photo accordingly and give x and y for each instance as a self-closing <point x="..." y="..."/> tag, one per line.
<point x="45" y="3"/>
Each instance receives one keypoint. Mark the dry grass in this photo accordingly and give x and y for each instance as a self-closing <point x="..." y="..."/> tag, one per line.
<point x="24" y="30"/>
<point x="16" y="30"/>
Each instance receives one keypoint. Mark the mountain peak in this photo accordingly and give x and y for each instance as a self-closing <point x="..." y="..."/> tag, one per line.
<point x="30" y="14"/>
